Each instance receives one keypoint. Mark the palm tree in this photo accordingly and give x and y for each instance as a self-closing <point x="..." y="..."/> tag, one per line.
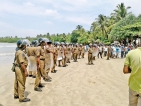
<point x="79" y="27"/>
<point x="121" y="11"/>
<point x="102" y="24"/>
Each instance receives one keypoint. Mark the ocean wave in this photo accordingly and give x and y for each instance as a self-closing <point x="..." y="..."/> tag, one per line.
<point x="7" y="54"/>
<point x="8" y="46"/>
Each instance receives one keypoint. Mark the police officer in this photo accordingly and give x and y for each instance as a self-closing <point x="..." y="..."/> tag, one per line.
<point x="55" y="57"/>
<point x="90" y="55"/>
<point x="20" y="72"/>
<point x="50" y="59"/>
<point x="108" y="52"/>
<point x="40" y="65"/>
<point x="63" y="48"/>
<point x="59" y="49"/>
<point x="31" y="53"/>
<point x="75" y="53"/>
<point x="79" y="51"/>
<point x="68" y="53"/>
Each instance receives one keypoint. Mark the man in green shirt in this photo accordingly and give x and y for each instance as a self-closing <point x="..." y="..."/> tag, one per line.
<point x="133" y="65"/>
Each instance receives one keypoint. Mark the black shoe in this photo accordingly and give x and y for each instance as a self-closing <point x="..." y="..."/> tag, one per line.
<point x="59" y="66"/>
<point x="16" y="97"/>
<point x="92" y="63"/>
<point x="37" y="89"/>
<point x="55" y="71"/>
<point x="30" y="75"/>
<point x="25" y="100"/>
<point x="41" y="85"/>
<point x="33" y="76"/>
<point x="47" y="80"/>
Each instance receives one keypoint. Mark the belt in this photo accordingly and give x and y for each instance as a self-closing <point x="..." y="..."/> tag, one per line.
<point x="42" y="59"/>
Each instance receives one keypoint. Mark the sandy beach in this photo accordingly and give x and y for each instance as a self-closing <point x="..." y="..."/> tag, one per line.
<point x="78" y="84"/>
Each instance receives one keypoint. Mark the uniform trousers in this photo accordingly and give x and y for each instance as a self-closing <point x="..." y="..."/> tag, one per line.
<point x="19" y="85"/>
<point x="40" y="72"/>
<point x="90" y="58"/>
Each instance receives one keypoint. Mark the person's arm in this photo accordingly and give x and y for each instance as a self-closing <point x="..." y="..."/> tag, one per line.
<point x="38" y="62"/>
<point x="38" y="57"/>
<point x="23" y="67"/>
<point x="21" y="59"/>
<point x="126" y="68"/>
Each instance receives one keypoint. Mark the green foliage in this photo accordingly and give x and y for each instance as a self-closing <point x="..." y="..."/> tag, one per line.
<point x="127" y="27"/>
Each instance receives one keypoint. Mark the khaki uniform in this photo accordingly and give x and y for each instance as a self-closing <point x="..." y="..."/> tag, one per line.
<point x="75" y="53"/>
<point x="20" y="79"/>
<point x="50" y="58"/>
<point x="83" y="51"/>
<point x="55" y="58"/>
<point x="65" y="55"/>
<point x="60" y="55"/>
<point x="68" y="54"/>
<point x="47" y="59"/>
<point x="71" y="49"/>
<point x="109" y="52"/>
<point x="79" y="52"/>
<point x="90" y="55"/>
<point x="41" y="72"/>
<point x="31" y="53"/>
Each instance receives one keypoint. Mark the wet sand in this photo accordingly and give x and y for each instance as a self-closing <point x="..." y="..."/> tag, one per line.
<point x="78" y="84"/>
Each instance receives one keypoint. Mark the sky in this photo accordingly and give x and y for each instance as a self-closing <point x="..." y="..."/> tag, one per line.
<point x="31" y="17"/>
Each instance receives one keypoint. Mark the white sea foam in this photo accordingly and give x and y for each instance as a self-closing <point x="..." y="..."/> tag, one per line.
<point x="7" y="54"/>
<point x="8" y="46"/>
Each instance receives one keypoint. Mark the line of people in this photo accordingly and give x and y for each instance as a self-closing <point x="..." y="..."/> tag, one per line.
<point x="40" y="58"/>
<point x="116" y="50"/>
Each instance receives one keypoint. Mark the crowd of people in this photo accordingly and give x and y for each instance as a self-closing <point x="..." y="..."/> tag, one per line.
<point x="113" y="51"/>
<point x="40" y="57"/>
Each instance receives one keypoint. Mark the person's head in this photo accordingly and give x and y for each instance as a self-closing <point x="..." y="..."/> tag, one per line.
<point x="21" y="44"/>
<point x="35" y="43"/>
<point x="90" y="45"/>
<point x="49" y="42"/>
<point x="41" y="42"/>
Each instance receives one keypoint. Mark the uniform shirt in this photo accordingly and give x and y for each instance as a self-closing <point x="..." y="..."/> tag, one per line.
<point x="60" y="51"/>
<point x="21" y="58"/>
<point x="80" y="49"/>
<point x="83" y="49"/>
<point x="90" y="50"/>
<point x="56" y="50"/>
<point x="133" y="60"/>
<point x="75" y="50"/>
<point x="41" y="52"/>
<point x="31" y="51"/>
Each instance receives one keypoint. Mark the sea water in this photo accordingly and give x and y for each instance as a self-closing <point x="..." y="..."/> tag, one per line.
<point x="7" y="52"/>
